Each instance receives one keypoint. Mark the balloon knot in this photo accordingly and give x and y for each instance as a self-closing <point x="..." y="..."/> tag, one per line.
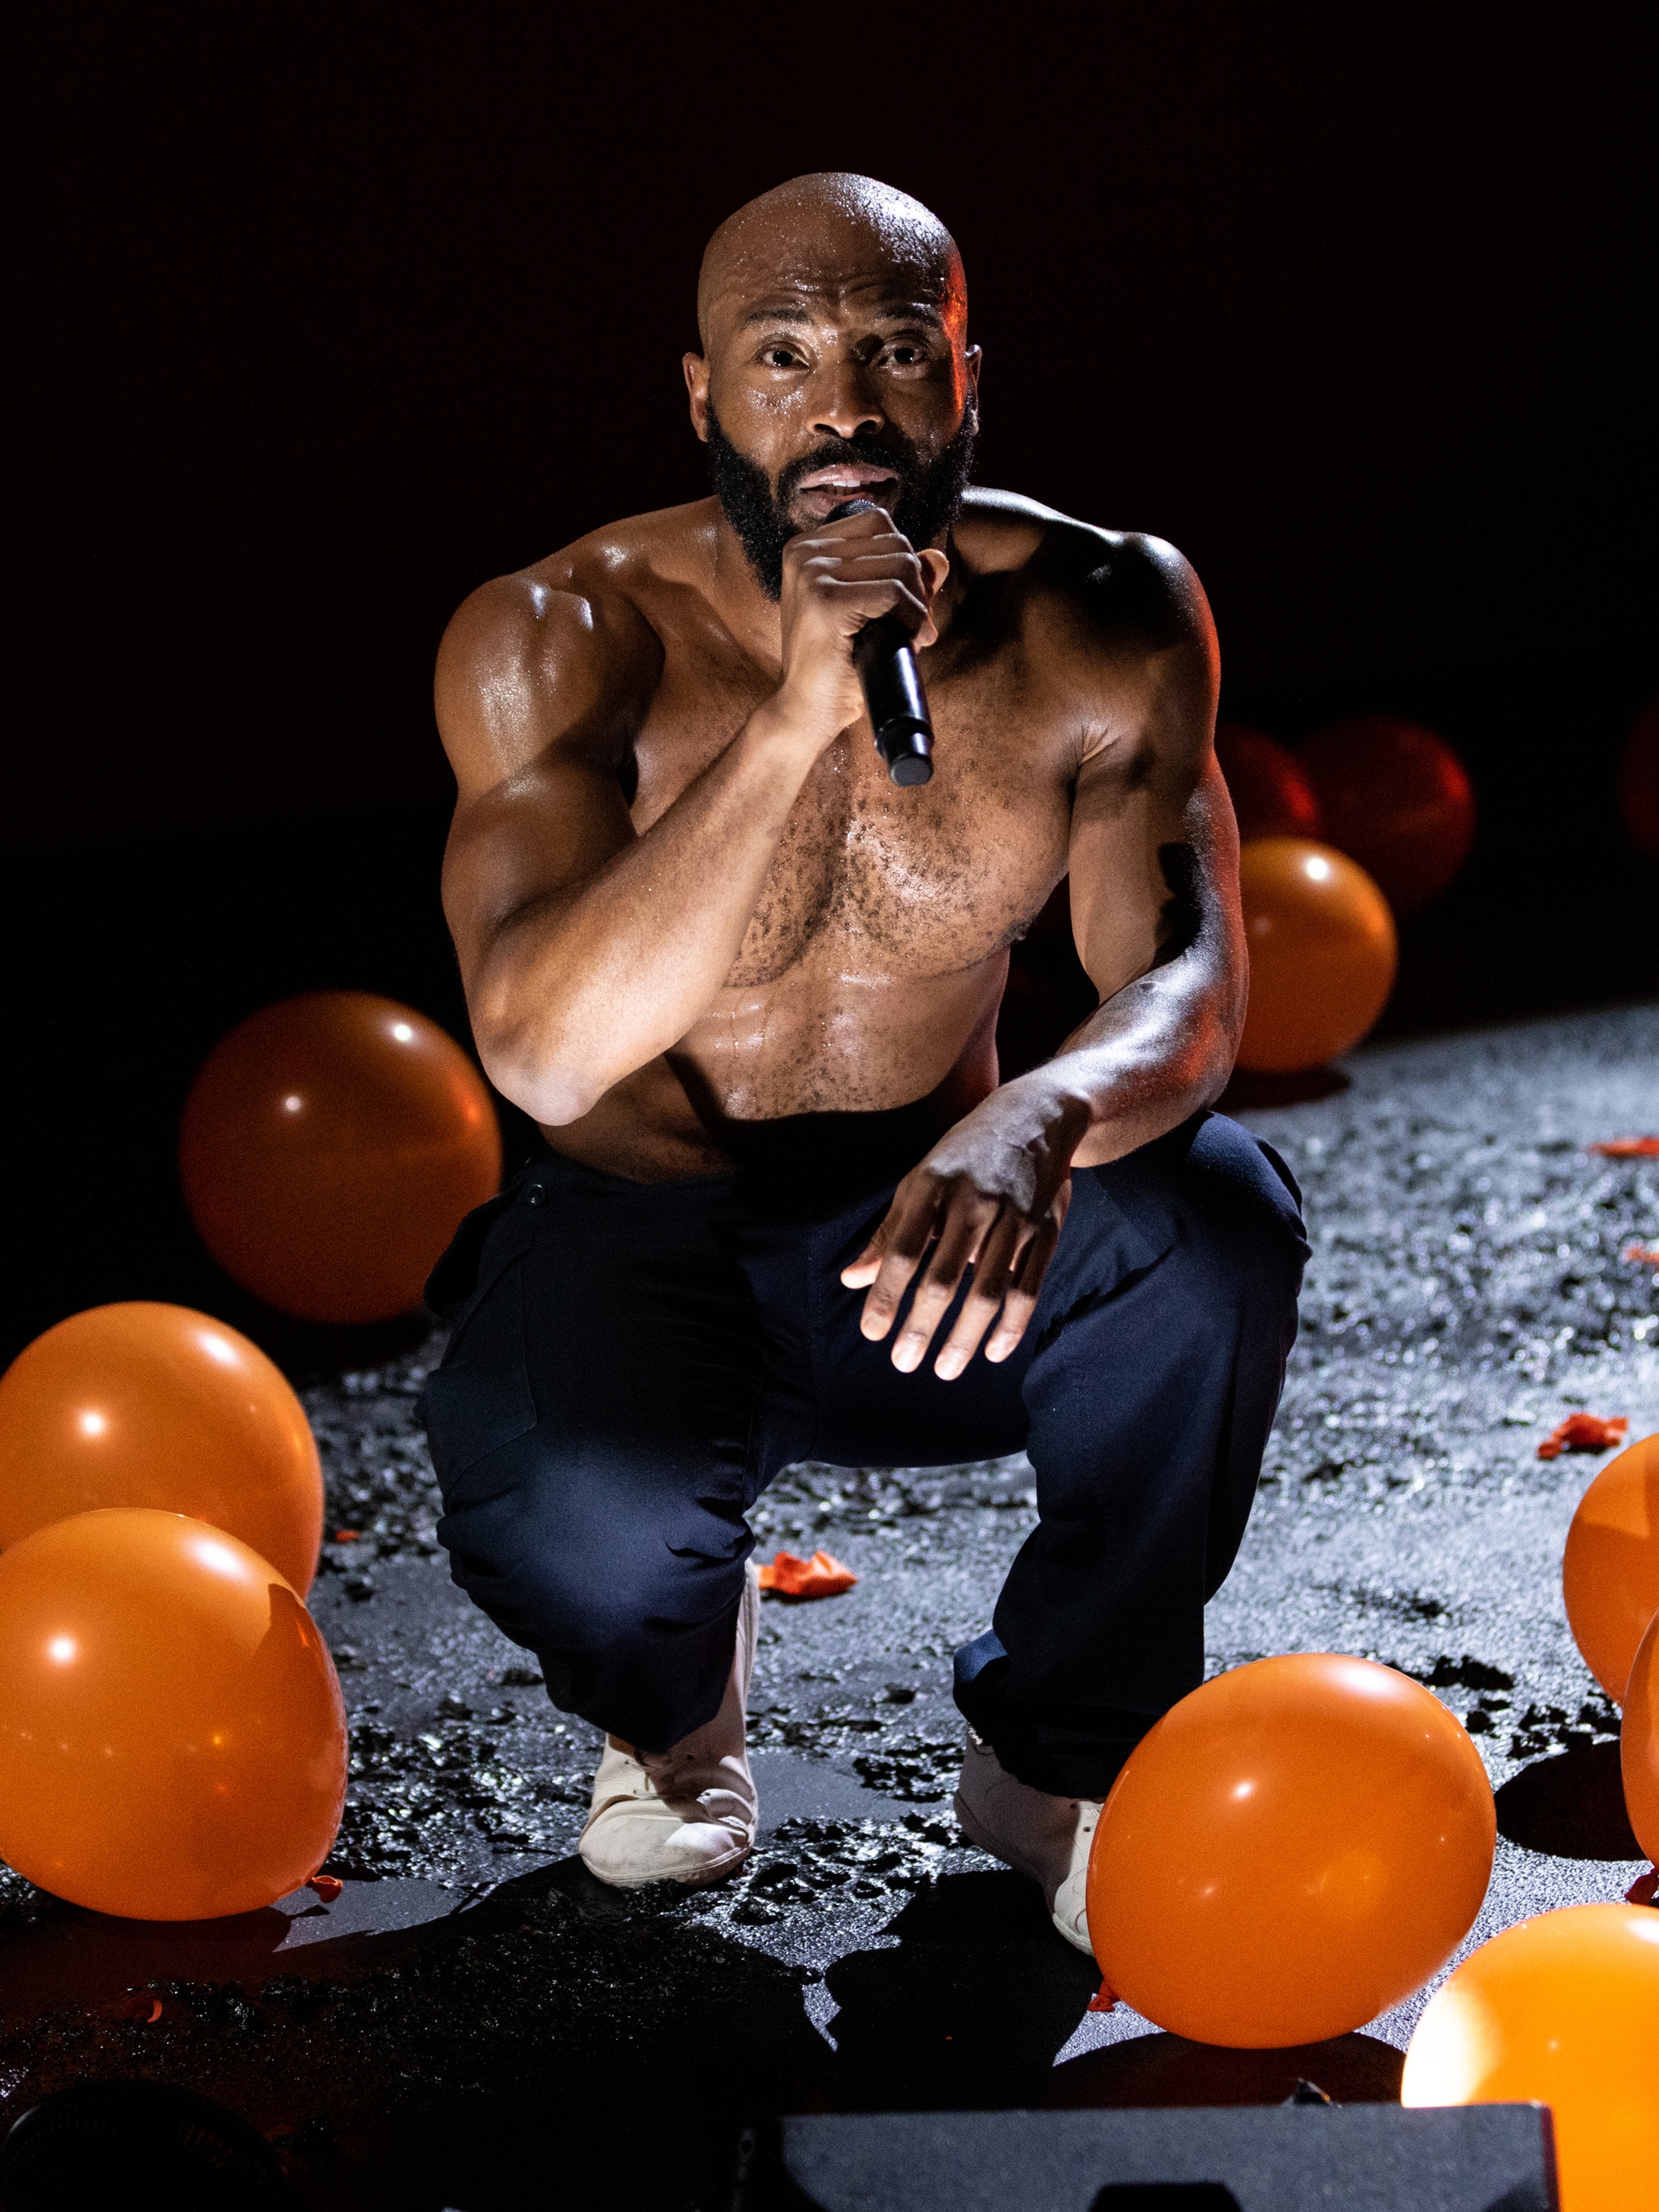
<point x="1645" y="1890"/>
<point x="1105" y="1999"/>
<point x="328" y="1886"/>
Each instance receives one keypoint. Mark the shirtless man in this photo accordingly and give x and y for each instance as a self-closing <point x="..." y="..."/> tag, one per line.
<point x="749" y="989"/>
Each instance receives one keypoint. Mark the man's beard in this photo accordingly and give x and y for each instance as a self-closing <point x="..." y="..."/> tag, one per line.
<point x="929" y="497"/>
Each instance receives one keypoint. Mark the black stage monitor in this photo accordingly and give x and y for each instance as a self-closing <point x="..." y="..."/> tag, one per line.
<point x="1285" y="2158"/>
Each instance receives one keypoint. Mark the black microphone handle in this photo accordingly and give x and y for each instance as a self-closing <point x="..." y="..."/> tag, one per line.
<point x="893" y="697"/>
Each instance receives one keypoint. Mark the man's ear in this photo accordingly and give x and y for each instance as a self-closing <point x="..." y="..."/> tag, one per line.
<point x="973" y="360"/>
<point x="696" y="384"/>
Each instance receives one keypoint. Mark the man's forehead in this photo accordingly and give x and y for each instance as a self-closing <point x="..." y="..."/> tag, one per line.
<point x="828" y="244"/>
<point x="879" y="292"/>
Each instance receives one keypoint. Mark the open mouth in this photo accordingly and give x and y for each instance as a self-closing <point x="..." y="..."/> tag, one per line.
<point x="824" y="490"/>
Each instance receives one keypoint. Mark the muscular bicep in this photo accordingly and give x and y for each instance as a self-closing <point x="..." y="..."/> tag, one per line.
<point x="537" y="694"/>
<point x="1150" y="880"/>
<point x="1154" y="850"/>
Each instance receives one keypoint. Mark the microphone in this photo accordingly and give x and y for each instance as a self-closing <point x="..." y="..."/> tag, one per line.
<point x="893" y="697"/>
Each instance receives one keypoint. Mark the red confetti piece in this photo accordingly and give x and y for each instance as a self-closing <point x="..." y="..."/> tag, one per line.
<point x="818" y="1577"/>
<point x="1583" y="1432"/>
<point x="1645" y="1890"/>
<point x="1628" y="1148"/>
<point x="328" y="1886"/>
<point x="1105" y="1999"/>
<point x="1645" y="1255"/>
<point x="347" y="1535"/>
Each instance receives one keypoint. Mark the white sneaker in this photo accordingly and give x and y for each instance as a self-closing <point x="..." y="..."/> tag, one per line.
<point x="1047" y="1837"/>
<point x="687" y="1814"/>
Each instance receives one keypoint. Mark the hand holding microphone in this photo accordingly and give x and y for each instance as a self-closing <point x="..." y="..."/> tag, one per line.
<point x="893" y="697"/>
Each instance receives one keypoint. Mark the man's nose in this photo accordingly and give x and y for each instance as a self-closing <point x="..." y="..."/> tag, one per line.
<point x="844" y="400"/>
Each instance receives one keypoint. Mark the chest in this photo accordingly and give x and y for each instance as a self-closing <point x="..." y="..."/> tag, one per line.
<point x="876" y="878"/>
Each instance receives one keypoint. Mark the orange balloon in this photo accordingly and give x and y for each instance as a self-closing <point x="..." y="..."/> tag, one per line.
<point x="154" y="1405"/>
<point x="1610" y="1570"/>
<point x="1396" y="799"/>
<point x="1639" y="1742"/>
<point x="1638" y="781"/>
<point x="329" y="1148"/>
<point x="1292" y="1849"/>
<point x="1271" y="796"/>
<point x="173" y="1738"/>
<point x="1322" y="954"/>
<point x="1562" y="2009"/>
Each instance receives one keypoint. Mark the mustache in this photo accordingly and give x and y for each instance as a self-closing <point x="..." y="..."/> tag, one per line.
<point x="891" y="451"/>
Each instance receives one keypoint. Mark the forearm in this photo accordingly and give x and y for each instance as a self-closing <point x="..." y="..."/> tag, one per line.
<point x="591" y="982"/>
<point x="1148" y="1058"/>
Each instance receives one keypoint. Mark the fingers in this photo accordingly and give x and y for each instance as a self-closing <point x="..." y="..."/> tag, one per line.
<point x="859" y="569"/>
<point x="870" y="585"/>
<point x="863" y="1269"/>
<point x="1019" y="1302"/>
<point x="870" y="521"/>
<point x="857" y="1273"/>
<point x="992" y="1274"/>
<point x="1009" y="1265"/>
<point x="863" y="537"/>
<point x="968" y="1217"/>
<point x="859" y="537"/>
<point x="894" y="1254"/>
<point x="1009" y="1255"/>
<point x="855" y="602"/>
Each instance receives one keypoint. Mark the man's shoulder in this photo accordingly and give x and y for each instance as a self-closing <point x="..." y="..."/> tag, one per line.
<point x="592" y="599"/>
<point x="1120" y="584"/>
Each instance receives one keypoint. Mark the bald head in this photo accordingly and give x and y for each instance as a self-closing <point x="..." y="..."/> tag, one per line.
<point x="828" y="232"/>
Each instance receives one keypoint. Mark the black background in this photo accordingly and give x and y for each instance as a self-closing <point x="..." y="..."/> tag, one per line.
<point x="324" y="324"/>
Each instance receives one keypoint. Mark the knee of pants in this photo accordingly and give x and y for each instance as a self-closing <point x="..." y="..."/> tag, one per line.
<point x="586" y="1582"/>
<point x="1248" y="1207"/>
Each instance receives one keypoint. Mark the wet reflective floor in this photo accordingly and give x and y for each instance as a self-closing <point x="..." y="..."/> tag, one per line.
<point x="474" y="2023"/>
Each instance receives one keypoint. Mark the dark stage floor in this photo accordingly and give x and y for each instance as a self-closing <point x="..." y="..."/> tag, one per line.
<point x="476" y="2024"/>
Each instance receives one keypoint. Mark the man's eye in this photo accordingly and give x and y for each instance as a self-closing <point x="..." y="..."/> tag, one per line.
<point x="779" y="357"/>
<point x="905" y="356"/>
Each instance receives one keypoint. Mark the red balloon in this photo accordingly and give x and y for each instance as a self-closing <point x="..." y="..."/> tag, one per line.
<point x="1396" y="799"/>
<point x="142" y="1404"/>
<point x="1271" y="796"/>
<point x="1638" y="781"/>
<point x="173" y="1739"/>
<point x="328" y="1148"/>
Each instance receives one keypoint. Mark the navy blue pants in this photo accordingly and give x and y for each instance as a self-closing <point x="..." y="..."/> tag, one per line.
<point x="631" y="1364"/>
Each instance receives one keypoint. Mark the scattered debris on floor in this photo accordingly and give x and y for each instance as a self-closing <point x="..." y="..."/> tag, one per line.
<point x="1583" y="1432"/>
<point x="821" y="1575"/>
